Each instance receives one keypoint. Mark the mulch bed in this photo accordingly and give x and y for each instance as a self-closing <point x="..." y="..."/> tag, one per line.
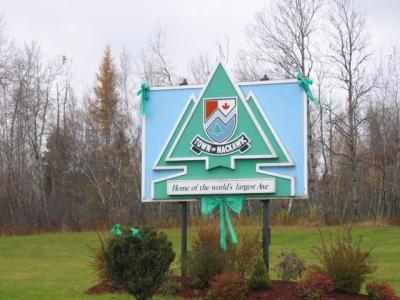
<point x="281" y="290"/>
<point x="104" y="288"/>
<point x="285" y="290"/>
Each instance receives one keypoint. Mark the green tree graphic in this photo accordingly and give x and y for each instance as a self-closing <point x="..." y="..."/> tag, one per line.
<point x="217" y="129"/>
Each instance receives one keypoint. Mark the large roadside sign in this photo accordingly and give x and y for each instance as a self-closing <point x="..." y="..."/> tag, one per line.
<point x="225" y="138"/>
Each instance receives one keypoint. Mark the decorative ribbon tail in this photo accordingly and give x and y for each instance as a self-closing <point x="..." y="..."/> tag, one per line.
<point x="313" y="100"/>
<point x="142" y="108"/>
<point x="144" y="93"/>
<point x="222" y="237"/>
<point x="116" y="230"/>
<point x="232" y="232"/>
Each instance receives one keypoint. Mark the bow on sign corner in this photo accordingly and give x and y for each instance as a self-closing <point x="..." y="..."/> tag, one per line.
<point x="224" y="204"/>
<point x="305" y="83"/>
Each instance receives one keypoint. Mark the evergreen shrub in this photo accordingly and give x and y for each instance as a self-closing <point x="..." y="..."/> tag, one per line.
<point x="138" y="264"/>
<point x="259" y="279"/>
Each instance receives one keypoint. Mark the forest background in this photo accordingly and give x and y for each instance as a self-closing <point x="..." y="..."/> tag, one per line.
<point x="70" y="157"/>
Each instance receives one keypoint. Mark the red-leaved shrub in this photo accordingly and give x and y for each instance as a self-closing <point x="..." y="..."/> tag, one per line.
<point x="381" y="291"/>
<point x="243" y="257"/>
<point x="289" y="266"/>
<point x="228" y="286"/>
<point x="206" y="259"/>
<point x="315" y="286"/>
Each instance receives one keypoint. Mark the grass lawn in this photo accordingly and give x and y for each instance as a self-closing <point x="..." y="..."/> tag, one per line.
<point x="55" y="266"/>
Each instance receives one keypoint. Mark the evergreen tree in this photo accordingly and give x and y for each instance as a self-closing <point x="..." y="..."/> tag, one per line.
<point x="109" y="161"/>
<point x="104" y="108"/>
<point x="217" y="130"/>
<point x="259" y="279"/>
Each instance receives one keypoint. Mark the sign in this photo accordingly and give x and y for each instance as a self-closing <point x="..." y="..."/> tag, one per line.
<point x="225" y="139"/>
<point x="221" y="187"/>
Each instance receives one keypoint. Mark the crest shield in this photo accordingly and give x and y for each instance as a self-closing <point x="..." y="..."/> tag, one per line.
<point x="220" y="118"/>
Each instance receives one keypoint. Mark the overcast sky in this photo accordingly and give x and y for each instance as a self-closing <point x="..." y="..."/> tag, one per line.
<point x="80" y="29"/>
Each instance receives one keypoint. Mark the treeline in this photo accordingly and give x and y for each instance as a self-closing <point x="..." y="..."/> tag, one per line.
<point x="72" y="159"/>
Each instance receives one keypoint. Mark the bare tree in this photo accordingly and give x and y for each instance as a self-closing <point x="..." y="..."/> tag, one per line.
<point x="282" y="38"/>
<point x="349" y="57"/>
<point x="223" y="47"/>
<point x="200" y="69"/>
<point x="383" y="140"/>
<point x="248" y="66"/>
<point x="6" y="50"/>
<point x="130" y="122"/>
<point x="154" y="64"/>
<point x="28" y="94"/>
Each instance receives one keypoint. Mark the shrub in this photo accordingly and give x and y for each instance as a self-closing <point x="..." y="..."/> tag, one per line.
<point x="344" y="262"/>
<point x="289" y="266"/>
<point x="228" y="286"/>
<point x="138" y="264"/>
<point x="315" y="286"/>
<point x="97" y="259"/>
<point x="243" y="257"/>
<point x="381" y="291"/>
<point x="170" y="288"/>
<point x="259" y="279"/>
<point x="206" y="259"/>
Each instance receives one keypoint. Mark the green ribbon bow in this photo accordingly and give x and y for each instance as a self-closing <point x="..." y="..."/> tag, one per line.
<point x="305" y="83"/>
<point x="116" y="230"/>
<point x="210" y="203"/>
<point x="136" y="232"/>
<point x="144" y="92"/>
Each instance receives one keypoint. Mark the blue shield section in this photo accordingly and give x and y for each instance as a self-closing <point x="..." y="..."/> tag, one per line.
<point x="220" y="132"/>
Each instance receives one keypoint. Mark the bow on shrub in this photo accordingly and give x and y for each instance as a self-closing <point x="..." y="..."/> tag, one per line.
<point x="305" y="83"/>
<point x="135" y="232"/>
<point x="116" y="230"/>
<point x="211" y="203"/>
<point x="144" y="93"/>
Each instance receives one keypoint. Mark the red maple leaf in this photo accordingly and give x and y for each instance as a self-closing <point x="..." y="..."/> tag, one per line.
<point x="225" y="106"/>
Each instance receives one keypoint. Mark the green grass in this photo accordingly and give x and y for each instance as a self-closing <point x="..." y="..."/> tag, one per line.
<point x="55" y="266"/>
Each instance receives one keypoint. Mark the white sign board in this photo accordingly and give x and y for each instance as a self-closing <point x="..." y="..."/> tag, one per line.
<point x="220" y="187"/>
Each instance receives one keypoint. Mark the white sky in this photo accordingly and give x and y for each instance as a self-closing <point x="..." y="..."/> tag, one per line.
<point x="80" y="29"/>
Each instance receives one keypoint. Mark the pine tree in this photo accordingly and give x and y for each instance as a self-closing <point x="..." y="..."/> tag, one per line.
<point x="217" y="130"/>
<point x="259" y="279"/>
<point x="109" y="162"/>
<point x="104" y="108"/>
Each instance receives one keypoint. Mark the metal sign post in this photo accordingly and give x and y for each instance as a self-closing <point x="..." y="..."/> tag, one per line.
<point x="266" y="232"/>
<point x="183" y="237"/>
